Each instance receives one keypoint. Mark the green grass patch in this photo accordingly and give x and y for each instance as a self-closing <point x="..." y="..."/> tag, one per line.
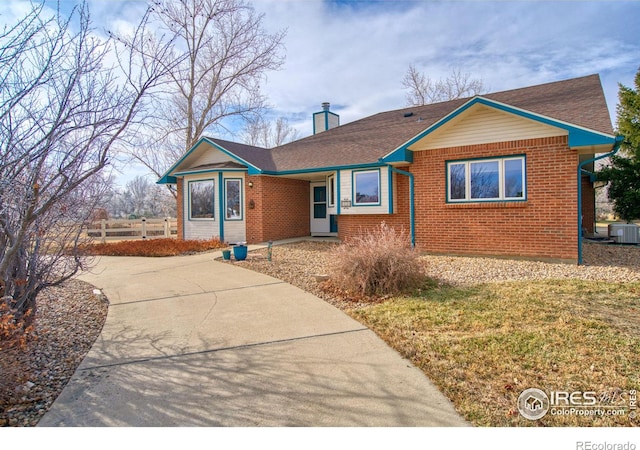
<point x="483" y="345"/>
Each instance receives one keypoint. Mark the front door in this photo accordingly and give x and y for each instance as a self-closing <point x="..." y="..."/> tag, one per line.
<point x="320" y="223"/>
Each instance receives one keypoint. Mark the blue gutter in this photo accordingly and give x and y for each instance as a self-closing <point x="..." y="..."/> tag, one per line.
<point x="412" y="208"/>
<point x="221" y="205"/>
<point x="614" y="150"/>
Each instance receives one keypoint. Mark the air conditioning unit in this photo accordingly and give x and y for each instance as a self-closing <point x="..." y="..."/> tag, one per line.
<point x="625" y="233"/>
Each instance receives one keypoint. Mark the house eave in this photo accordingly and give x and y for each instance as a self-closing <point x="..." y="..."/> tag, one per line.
<point x="169" y="176"/>
<point x="167" y="179"/>
<point x="322" y="169"/>
<point x="579" y="137"/>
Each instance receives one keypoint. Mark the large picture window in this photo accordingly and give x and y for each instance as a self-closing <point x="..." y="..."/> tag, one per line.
<point x="233" y="199"/>
<point x="201" y="200"/>
<point x="366" y="187"/>
<point x="493" y="179"/>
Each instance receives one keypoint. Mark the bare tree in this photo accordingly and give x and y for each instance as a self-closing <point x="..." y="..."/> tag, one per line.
<point x="227" y="53"/>
<point x="260" y="133"/>
<point x="63" y="112"/>
<point x="422" y="90"/>
<point x="142" y="198"/>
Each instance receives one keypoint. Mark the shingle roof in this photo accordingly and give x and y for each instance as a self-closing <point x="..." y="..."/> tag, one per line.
<point x="578" y="101"/>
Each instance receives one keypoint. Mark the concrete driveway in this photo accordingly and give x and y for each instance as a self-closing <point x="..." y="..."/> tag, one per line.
<point x="190" y="341"/>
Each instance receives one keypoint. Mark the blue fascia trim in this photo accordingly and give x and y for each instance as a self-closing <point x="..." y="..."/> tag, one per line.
<point x="322" y="169"/>
<point x="195" y="172"/>
<point x="167" y="179"/>
<point x="253" y="170"/>
<point x="581" y="138"/>
<point x="233" y="156"/>
<point x="578" y="136"/>
<point x="177" y="163"/>
<point x="400" y="155"/>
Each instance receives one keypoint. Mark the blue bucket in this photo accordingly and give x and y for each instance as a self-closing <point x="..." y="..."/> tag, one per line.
<point x="240" y="252"/>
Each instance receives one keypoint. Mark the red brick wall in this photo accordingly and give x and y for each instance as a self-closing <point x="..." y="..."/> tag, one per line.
<point x="542" y="227"/>
<point x="588" y="205"/>
<point x="277" y="208"/>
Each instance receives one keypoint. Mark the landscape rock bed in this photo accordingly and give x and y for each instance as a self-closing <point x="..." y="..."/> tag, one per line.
<point x="299" y="264"/>
<point x="69" y="319"/>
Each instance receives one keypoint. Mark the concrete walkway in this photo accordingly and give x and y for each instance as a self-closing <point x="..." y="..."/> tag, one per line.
<point x="190" y="341"/>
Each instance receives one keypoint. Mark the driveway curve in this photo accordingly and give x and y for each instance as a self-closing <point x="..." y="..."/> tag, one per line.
<point x="190" y="341"/>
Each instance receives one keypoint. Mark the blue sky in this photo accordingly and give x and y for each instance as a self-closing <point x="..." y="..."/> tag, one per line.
<point x="355" y="53"/>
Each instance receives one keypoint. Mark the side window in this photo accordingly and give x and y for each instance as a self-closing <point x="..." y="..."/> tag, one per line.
<point x="201" y="200"/>
<point x="366" y="187"/>
<point x="492" y="179"/>
<point x="331" y="186"/>
<point x="233" y="199"/>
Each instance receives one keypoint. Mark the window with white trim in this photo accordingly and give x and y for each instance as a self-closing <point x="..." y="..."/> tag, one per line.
<point x="331" y="187"/>
<point x="233" y="198"/>
<point x="201" y="200"/>
<point x="366" y="187"/>
<point x="491" y="179"/>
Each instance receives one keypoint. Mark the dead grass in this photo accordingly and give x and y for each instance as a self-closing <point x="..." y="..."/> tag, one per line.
<point x="483" y="345"/>
<point x="154" y="247"/>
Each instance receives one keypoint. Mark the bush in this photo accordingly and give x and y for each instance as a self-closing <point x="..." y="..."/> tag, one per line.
<point x="377" y="262"/>
<point x="154" y="247"/>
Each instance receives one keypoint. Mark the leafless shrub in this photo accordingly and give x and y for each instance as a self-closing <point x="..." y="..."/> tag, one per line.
<point x="379" y="261"/>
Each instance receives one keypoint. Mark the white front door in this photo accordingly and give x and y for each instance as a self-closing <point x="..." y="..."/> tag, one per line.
<point x="320" y="222"/>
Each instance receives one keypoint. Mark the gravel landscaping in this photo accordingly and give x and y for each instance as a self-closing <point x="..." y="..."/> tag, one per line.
<point x="299" y="264"/>
<point x="70" y="317"/>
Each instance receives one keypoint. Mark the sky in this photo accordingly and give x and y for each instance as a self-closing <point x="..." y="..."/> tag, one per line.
<point x="354" y="53"/>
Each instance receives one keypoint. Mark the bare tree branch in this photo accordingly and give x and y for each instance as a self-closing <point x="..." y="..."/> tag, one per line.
<point x="260" y="133"/>
<point x="422" y="90"/>
<point x="63" y="114"/>
<point x="226" y="54"/>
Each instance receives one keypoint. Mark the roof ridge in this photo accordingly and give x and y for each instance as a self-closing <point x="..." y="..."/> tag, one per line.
<point x="505" y="91"/>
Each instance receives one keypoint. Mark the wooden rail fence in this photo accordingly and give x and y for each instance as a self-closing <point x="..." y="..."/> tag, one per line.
<point x="124" y="229"/>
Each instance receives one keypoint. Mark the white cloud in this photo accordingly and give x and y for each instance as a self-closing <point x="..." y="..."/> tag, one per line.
<point x="355" y="57"/>
<point x="354" y="54"/>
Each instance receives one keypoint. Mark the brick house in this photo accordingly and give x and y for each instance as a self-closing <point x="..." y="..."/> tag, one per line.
<point x="495" y="174"/>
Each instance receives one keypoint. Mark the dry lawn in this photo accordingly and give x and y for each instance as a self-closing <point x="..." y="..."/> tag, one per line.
<point x="483" y="345"/>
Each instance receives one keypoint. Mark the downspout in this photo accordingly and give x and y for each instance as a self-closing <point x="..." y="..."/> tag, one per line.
<point x="412" y="214"/>
<point x="614" y="150"/>
<point x="221" y="206"/>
